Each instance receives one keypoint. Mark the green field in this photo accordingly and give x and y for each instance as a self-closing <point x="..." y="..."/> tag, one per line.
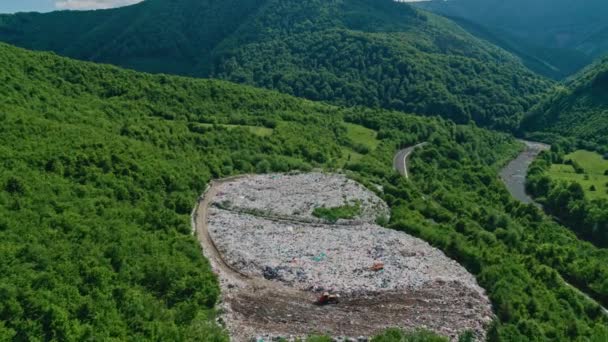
<point x="359" y="136"/>
<point x="594" y="167"/>
<point x="362" y="135"/>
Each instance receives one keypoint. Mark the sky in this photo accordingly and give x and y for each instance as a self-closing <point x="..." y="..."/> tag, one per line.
<point x="12" y="6"/>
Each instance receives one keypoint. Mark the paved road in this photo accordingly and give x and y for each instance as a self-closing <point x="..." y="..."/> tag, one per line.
<point x="587" y="296"/>
<point x="400" y="159"/>
<point x="514" y="174"/>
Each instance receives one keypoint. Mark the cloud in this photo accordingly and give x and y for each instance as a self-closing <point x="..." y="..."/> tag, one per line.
<point x="92" y="4"/>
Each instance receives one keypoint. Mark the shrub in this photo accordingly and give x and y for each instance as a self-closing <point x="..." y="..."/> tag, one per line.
<point x="336" y="213"/>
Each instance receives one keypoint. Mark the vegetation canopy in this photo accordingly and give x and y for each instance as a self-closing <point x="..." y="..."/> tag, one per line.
<point x="556" y="38"/>
<point x="577" y="112"/>
<point x="376" y="53"/>
<point x="101" y="168"/>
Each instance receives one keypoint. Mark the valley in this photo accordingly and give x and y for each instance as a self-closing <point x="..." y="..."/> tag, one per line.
<point x="350" y="53"/>
<point x="371" y="171"/>
<point x="555" y="39"/>
<point x="514" y="175"/>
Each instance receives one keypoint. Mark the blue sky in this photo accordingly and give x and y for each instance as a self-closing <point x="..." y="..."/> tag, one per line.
<point x="12" y="6"/>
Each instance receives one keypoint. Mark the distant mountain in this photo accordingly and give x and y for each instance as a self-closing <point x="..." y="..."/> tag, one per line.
<point x="376" y="53"/>
<point x="556" y="38"/>
<point x="578" y="110"/>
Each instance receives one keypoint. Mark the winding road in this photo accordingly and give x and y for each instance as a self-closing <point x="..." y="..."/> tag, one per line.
<point x="400" y="159"/>
<point x="513" y="176"/>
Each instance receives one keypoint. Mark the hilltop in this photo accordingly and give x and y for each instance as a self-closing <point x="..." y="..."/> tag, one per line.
<point x="376" y="53"/>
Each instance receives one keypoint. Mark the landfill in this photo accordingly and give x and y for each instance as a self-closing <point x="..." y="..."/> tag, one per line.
<point x="275" y="259"/>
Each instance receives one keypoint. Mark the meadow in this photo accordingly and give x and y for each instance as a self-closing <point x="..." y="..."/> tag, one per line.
<point x="591" y="175"/>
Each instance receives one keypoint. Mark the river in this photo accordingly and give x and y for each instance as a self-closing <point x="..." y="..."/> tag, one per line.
<point x="514" y="174"/>
<point x="514" y="177"/>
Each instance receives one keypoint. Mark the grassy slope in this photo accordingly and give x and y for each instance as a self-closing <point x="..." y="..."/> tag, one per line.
<point x="363" y="136"/>
<point x="101" y="167"/>
<point x="364" y="52"/>
<point x="595" y="167"/>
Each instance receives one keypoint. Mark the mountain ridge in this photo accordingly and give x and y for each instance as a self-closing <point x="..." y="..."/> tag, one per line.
<point x="565" y="35"/>
<point x="578" y="110"/>
<point x="347" y="52"/>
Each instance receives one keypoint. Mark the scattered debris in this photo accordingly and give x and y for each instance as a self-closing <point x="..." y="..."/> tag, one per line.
<point x="378" y="266"/>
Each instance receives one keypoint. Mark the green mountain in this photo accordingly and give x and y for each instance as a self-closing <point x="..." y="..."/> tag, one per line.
<point x="101" y="168"/>
<point x="376" y="53"/>
<point x="579" y="109"/>
<point x="556" y="38"/>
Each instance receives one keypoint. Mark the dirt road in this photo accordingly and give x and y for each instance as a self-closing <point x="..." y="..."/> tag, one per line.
<point x="253" y="307"/>
<point x="400" y="159"/>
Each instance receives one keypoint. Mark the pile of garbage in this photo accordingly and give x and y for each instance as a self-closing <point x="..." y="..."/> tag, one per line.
<point x="263" y="228"/>
<point x="356" y="258"/>
<point x="295" y="196"/>
<point x="353" y="259"/>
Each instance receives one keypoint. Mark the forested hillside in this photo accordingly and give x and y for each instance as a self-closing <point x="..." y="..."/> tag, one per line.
<point x="578" y="110"/>
<point x="377" y="53"/>
<point x="556" y="38"/>
<point x="101" y="168"/>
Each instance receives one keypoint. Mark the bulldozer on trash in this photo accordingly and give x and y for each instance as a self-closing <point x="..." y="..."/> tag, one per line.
<point x="328" y="298"/>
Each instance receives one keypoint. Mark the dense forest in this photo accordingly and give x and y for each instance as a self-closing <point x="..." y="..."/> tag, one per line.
<point x="556" y="38"/>
<point x="576" y="113"/>
<point x="101" y="168"/>
<point x="566" y="200"/>
<point x="376" y="53"/>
